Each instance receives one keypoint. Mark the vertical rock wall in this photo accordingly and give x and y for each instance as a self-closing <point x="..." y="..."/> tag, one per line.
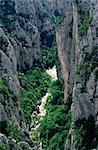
<point x="22" y="22"/>
<point x="24" y="26"/>
<point x="81" y="79"/>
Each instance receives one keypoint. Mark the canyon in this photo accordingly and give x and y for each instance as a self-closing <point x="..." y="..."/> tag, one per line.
<point x="40" y="39"/>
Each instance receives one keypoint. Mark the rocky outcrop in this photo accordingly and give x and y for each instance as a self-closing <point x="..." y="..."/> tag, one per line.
<point x="26" y="25"/>
<point x="9" y="64"/>
<point x="81" y="79"/>
<point x="21" y="32"/>
<point x="64" y="43"/>
<point x="8" y="144"/>
<point x="22" y="26"/>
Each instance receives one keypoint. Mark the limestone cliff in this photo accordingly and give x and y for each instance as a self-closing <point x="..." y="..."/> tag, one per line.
<point x="78" y="52"/>
<point x="22" y="25"/>
<point x="26" y="25"/>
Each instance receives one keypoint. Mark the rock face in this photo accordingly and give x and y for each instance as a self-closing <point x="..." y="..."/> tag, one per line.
<point x="23" y="35"/>
<point x="7" y="143"/>
<point x="24" y="26"/>
<point x="80" y="49"/>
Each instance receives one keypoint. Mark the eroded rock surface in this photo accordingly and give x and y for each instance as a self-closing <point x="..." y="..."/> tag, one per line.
<point x="21" y="28"/>
<point x="26" y="25"/>
<point x="80" y="48"/>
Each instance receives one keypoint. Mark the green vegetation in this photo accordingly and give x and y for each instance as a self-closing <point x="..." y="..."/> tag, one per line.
<point x="82" y="66"/>
<point x="36" y="85"/>
<point x="49" y="56"/>
<point x="85" y="18"/>
<point x="3" y="87"/>
<point x="84" y="49"/>
<point x="55" y="126"/>
<point x="4" y="147"/>
<point x="87" y="64"/>
<point x="13" y="130"/>
<point x="37" y="82"/>
<point x="77" y="138"/>
<point x="57" y="92"/>
<point x="24" y="148"/>
<point x="84" y="24"/>
<point x="57" y="20"/>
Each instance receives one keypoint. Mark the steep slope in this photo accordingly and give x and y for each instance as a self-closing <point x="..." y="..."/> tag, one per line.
<point x="77" y="41"/>
<point x="20" y="23"/>
<point x="27" y="48"/>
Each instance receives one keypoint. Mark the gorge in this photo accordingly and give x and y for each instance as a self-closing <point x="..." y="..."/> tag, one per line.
<point x="48" y="74"/>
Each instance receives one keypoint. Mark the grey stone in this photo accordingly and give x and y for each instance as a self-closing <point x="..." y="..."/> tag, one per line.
<point x="3" y="139"/>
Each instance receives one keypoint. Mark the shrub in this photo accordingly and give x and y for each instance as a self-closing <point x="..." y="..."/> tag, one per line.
<point x="85" y="23"/>
<point x="57" y="92"/>
<point x="55" y="126"/>
<point x="37" y="83"/>
<point x="4" y="147"/>
<point x="57" y="20"/>
<point x="82" y="66"/>
<point x="13" y="130"/>
<point x="77" y="137"/>
<point x="56" y="123"/>
<point x="88" y="64"/>
<point x="3" y="87"/>
<point x="49" y="55"/>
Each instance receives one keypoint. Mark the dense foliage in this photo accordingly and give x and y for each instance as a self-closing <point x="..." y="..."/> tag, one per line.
<point x="49" y="56"/>
<point x="4" y="147"/>
<point x="36" y="85"/>
<point x="13" y="130"/>
<point x="56" y="124"/>
<point x="57" y="92"/>
<point x="85" y="18"/>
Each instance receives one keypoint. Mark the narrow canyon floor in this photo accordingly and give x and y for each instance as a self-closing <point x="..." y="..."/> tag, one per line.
<point x="38" y="116"/>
